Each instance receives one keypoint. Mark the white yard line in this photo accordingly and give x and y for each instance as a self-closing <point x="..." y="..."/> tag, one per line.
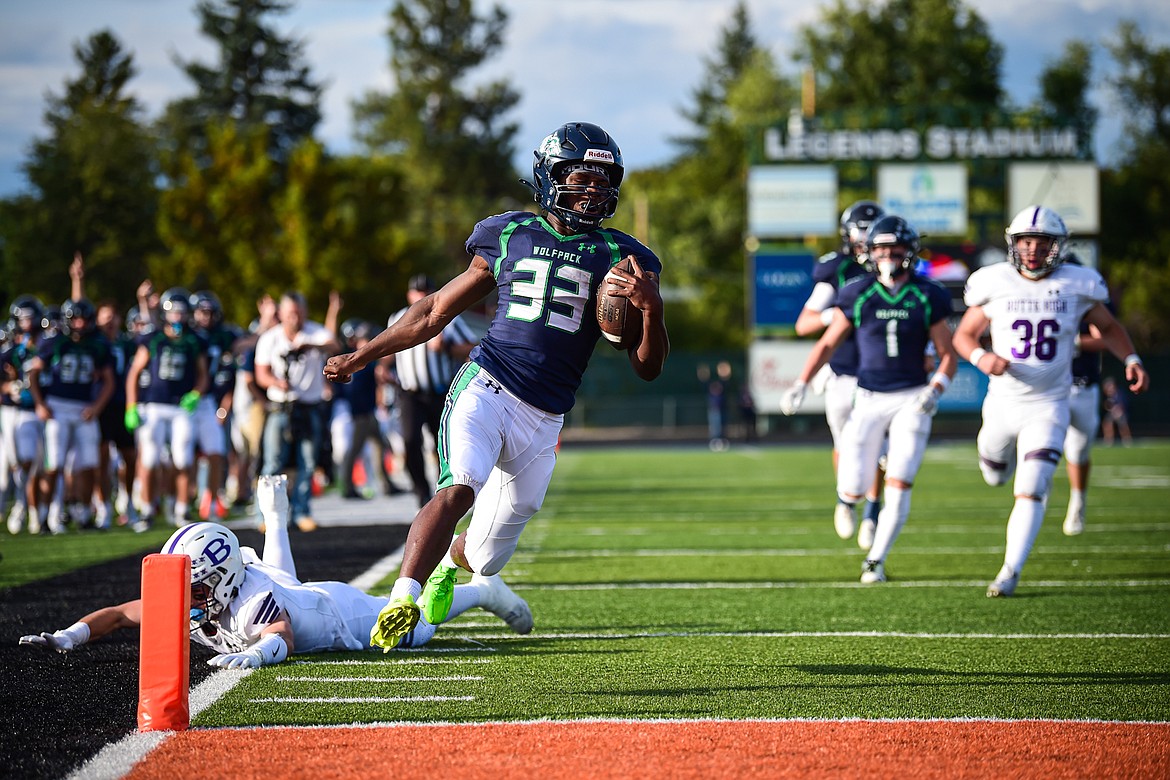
<point x="354" y="699"/>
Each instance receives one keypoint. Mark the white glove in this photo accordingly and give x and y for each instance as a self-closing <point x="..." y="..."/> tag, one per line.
<point x="62" y="641"/>
<point x="247" y="660"/>
<point x="272" y="498"/>
<point x="926" y="402"/>
<point x="793" y="398"/>
<point x="272" y="649"/>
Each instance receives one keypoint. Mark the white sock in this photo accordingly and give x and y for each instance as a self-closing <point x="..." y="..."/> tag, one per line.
<point x="1023" y="525"/>
<point x="890" y="522"/>
<point x="405" y="586"/>
<point x="1076" y="500"/>
<point x="464" y="598"/>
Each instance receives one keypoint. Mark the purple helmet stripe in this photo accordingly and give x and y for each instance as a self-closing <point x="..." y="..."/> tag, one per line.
<point x="1035" y="216"/>
<point x="178" y="537"/>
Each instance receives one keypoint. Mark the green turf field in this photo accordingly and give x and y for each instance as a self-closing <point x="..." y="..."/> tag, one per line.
<point x="683" y="583"/>
<point x="696" y="584"/>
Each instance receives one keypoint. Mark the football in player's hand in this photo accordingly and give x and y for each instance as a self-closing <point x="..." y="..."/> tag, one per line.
<point x="619" y="320"/>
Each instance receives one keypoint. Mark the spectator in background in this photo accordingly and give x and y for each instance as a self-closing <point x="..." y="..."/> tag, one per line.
<point x="361" y="396"/>
<point x="716" y="386"/>
<point x="1116" y="417"/>
<point x="249" y="405"/>
<point x="289" y="360"/>
<point x="424" y="375"/>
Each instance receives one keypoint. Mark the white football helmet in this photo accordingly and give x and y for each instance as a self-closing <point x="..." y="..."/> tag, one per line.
<point x="1037" y="221"/>
<point x="217" y="567"/>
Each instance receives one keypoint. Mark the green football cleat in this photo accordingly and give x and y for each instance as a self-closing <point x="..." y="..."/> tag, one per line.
<point x="395" y="621"/>
<point x="435" y="601"/>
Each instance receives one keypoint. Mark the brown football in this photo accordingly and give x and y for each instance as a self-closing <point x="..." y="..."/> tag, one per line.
<point x="620" y="322"/>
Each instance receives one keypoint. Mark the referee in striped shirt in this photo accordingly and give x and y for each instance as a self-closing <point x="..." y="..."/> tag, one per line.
<point x="425" y="373"/>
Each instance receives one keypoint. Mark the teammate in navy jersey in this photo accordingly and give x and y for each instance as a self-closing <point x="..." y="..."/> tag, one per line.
<point x="896" y="315"/>
<point x="112" y="420"/>
<point x="21" y="431"/>
<point x="71" y="380"/>
<point x="175" y="359"/>
<point x="506" y="407"/>
<point x="832" y="272"/>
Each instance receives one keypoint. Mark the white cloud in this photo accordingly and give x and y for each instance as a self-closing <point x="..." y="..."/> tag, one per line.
<point x="628" y="65"/>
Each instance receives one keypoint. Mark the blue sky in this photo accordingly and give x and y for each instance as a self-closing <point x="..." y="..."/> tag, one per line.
<point x="628" y="65"/>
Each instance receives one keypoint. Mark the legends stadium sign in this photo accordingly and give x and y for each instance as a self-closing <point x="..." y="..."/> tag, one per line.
<point x="938" y="143"/>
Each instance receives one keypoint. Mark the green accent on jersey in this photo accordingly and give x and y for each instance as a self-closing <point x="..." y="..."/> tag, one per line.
<point x="464" y="378"/>
<point x="894" y="299"/>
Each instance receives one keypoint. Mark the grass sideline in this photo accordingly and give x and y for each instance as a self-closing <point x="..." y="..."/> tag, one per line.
<point x="689" y="584"/>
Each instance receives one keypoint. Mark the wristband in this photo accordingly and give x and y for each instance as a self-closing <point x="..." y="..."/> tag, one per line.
<point x="78" y="632"/>
<point x="827" y="317"/>
<point x="941" y="380"/>
<point x="976" y="355"/>
<point x="272" y="649"/>
<point x="1133" y="360"/>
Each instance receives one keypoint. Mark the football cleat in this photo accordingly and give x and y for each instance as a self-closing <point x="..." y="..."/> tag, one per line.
<point x="497" y="598"/>
<point x="1004" y="585"/>
<point x="1074" y="522"/>
<point x="397" y="619"/>
<point x="873" y="572"/>
<point x="56" y="522"/>
<point x="437" y="594"/>
<point x="16" y="518"/>
<point x="845" y="519"/>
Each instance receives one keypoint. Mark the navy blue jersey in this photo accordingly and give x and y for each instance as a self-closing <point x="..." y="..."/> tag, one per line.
<point x="14" y="362"/>
<point x="893" y="329"/>
<point x="122" y="351"/>
<point x="836" y="270"/>
<point x="221" y="363"/>
<point x="545" y="326"/>
<point x="72" y="368"/>
<point x="172" y="367"/>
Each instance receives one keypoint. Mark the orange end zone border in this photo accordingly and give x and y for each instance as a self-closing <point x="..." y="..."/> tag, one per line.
<point x="676" y="749"/>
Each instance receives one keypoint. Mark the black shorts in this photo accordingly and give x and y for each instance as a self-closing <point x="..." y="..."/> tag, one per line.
<point x="112" y="422"/>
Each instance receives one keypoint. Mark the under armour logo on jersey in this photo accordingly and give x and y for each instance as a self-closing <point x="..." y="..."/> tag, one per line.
<point x="589" y="248"/>
<point x="491" y="385"/>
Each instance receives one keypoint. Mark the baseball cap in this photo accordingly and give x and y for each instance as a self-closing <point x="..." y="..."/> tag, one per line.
<point x="421" y="282"/>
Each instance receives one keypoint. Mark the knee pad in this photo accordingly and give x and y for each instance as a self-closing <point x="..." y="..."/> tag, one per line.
<point x="1034" y="477"/>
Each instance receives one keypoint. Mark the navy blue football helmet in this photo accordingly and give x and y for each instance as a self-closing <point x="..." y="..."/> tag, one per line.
<point x="27" y="309"/>
<point x="206" y="300"/>
<point x="81" y="309"/>
<point x="855" y="221"/>
<point x="891" y="230"/>
<point x="571" y="145"/>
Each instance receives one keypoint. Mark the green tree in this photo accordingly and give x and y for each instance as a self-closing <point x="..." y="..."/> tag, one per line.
<point x="92" y="183"/>
<point x="452" y="141"/>
<point x="928" y="56"/>
<point x="696" y="204"/>
<point x="1135" y="196"/>
<point x="1064" y="93"/>
<point x="260" y="80"/>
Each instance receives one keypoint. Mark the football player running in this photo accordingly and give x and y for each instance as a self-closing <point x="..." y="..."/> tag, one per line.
<point x="896" y="315"/>
<point x="1032" y="306"/>
<point x="506" y="407"/>
<point x="255" y="612"/>
<point x="830" y="274"/>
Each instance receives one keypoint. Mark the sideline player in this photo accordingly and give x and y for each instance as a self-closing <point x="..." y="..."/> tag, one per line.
<point x="897" y="315"/>
<point x="830" y="274"/>
<point x="506" y="407"/>
<point x="254" y="611"/>
<point x="1033" y="305"/>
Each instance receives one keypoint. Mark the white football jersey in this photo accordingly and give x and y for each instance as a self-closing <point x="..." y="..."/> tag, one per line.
<point x="1034" y="324"/>
<point x="324" y="615"/>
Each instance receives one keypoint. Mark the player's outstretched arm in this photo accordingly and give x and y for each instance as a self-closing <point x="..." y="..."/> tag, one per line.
<point x="276" y="642"/>
<point x="93" y="626"/>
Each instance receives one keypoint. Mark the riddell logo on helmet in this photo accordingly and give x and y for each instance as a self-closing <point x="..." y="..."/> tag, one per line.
<point x="600" y="155"/>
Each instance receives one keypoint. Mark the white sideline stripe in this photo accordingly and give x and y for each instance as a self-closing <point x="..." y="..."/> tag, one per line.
<point x="392" y="661"/>
<point x="837" y="585"/>
<point x="116" y="759"/>
<point x="354" y="699"/>
<point x="449" y="678"/>
<point x="824" y="635"/>
<point x="796" y="552"/>
<point x="639" y="721"/>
